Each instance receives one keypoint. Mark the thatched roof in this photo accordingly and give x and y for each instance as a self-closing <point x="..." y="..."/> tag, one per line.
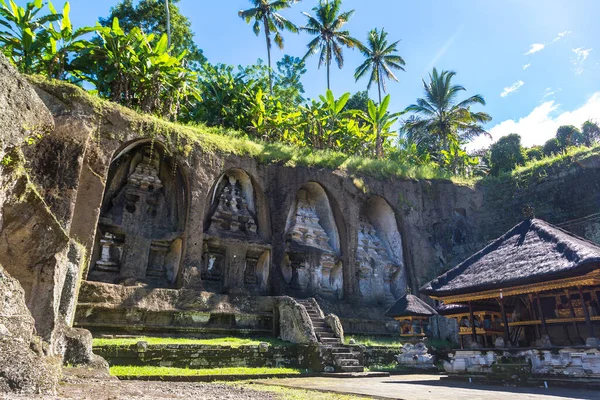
<point x="457" y="308"/>
<point x="410" y="306"/>
<point x="532" y="251"/>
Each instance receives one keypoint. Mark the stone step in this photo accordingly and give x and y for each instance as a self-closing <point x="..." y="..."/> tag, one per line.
<point x="330" y="340"/>
<point x="343" y="355"/>
<point x="323" y="330"/>
<point x="325" y="335"/>
<point x="348" y="362"/>
<point x="352" y="368"/>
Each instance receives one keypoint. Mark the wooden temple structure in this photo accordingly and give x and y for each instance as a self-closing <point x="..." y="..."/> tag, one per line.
<point x="413" y="315"/>
<point x="535" y="286"/>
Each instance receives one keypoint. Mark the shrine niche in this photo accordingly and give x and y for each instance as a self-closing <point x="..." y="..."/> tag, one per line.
<point x="312" y="264"/>
<point x="142" y="219"/>
<point x="236" y="253"/>
<point x="380" y="265"/>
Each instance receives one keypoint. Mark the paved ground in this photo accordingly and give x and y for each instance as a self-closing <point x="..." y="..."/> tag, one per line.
<point x="427" y="387"/>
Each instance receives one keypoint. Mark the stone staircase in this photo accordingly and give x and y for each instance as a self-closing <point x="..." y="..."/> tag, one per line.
<point x="344" y="358"/>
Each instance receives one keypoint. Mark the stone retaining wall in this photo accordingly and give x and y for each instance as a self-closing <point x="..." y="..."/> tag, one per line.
<point x="211" y="356"/>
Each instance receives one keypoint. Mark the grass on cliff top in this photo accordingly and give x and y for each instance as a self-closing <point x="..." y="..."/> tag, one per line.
<point x="213" y="140"/>
<point x="376" y="341"/>
<point x="146" y="370"/>
<point x="221" y="341"/>
<point x="539" y="169"/>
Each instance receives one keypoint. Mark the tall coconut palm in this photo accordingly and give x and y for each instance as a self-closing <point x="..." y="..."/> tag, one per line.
<point x="168" y="15"/>
<point x="326" y="25"/>
<point x="440" y="113"/>
<point x="265" y="13"/>
<point x="382" y="58"/>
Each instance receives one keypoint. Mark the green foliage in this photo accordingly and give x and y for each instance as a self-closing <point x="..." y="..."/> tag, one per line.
<point x="449" y="123"/>
<point x="358" y="101"/>
<point x="379" y="122"/>
<point x="381" y="59"/>
<point x="147" y="370"/>
<point x="567" y="136"/>
<point x="534" y="153"/>
<point x="590" y="132"/>
<point x="26" y="36"/>
<point x="133" y="69"/>
<point x="265" y="14"/>
<point x="150" y="17"/>
<point x="506" y="154"/>
<point x="330" y="39"/>
<point x="288" y="81"/>
<point x="551" y="147"/>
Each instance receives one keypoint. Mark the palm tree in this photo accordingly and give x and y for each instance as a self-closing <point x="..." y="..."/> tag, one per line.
<point x="381" y="59"/>
<point x="265" y="13"/>
<point x="327" y="25"/>
<point x="439" y="113"/>
<point x="168" y="14"/>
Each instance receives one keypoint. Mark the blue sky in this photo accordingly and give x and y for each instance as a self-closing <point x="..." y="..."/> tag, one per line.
<point x="536" y="62"/>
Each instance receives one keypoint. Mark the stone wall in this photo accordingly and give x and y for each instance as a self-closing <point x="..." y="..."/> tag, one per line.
<point x="211" y="356"/>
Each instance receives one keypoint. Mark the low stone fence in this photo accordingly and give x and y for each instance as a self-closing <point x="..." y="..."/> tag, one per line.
<point x="310" y="357"/>
<point x="380" y="355"/>
<point x="563" y="362"/>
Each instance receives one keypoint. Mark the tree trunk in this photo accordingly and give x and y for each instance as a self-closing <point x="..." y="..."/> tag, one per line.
<point x="168" y="22"/>
<point x="378" y="141"/>
<point x="268" y="39"/>
<point x="328" y="60"/>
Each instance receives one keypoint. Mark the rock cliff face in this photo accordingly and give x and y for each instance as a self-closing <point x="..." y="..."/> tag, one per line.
<point x="41" y="262"/>
<point x="145" y="212"/>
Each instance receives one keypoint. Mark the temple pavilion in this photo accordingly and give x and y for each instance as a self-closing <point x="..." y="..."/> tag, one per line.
<point x="413" y="315"/>
<point x="535" y="286"/>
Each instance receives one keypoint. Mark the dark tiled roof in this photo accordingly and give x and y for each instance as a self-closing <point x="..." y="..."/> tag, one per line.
<point x="532" y="251"/>
<point x="410" y="306"/>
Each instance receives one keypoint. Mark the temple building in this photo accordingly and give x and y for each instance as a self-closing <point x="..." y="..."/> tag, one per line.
<point x="535" y="286"/>
<point x="413" y="314"/>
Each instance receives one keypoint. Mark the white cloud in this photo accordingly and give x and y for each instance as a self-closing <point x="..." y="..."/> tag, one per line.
<point x="581" y="55"/>
<point x="561" y="35"/>
<point x="541" y="124"/>
<point x="526" y="66"/>
<point x="535" y="48"/>
<point x="512" y="88"/>
<point x="549" y="92"/>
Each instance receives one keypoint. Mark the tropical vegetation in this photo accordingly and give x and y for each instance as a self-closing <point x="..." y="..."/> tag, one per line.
<point x="144" y="56"/>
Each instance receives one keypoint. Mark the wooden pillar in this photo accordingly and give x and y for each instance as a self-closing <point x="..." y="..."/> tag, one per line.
<point x="588" y="321"/>
<point x="541" y="312"/>
<point x="568" y="294"/>
<point x="504" y="320"/>
<point x="473" y="328"/>
<point x="536" y="332"/>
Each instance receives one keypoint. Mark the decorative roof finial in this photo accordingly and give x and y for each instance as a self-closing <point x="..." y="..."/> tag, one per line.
<point x="528" y="212"/>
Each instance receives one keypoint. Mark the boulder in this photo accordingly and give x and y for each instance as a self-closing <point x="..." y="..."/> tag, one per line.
<point x="24" y="368"/>
<point x="334" y="323"/>
<point x="294" y="322"/>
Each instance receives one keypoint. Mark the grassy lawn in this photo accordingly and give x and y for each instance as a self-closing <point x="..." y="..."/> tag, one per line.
<point x="132" y="370"/>
<point x="222" y="341"/>
<point x="284" y="393"/>
<point x="388" y="341"/>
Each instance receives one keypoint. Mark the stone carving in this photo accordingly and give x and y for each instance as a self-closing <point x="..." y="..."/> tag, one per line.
<point x="306" y="230"/>
<point x="232" y="215"/>
<point x="313" y="262"/>
<point x="376" y="269"/>
<point x="110" y="257"/>
<point x="140" y="222"/>
<point x="415" y="355"/>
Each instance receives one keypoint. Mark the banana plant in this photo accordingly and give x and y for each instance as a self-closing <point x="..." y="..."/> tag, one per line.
<point x="380" y="121"/>
<point x="24" y="36"/>
<point x="63" y="41"/>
